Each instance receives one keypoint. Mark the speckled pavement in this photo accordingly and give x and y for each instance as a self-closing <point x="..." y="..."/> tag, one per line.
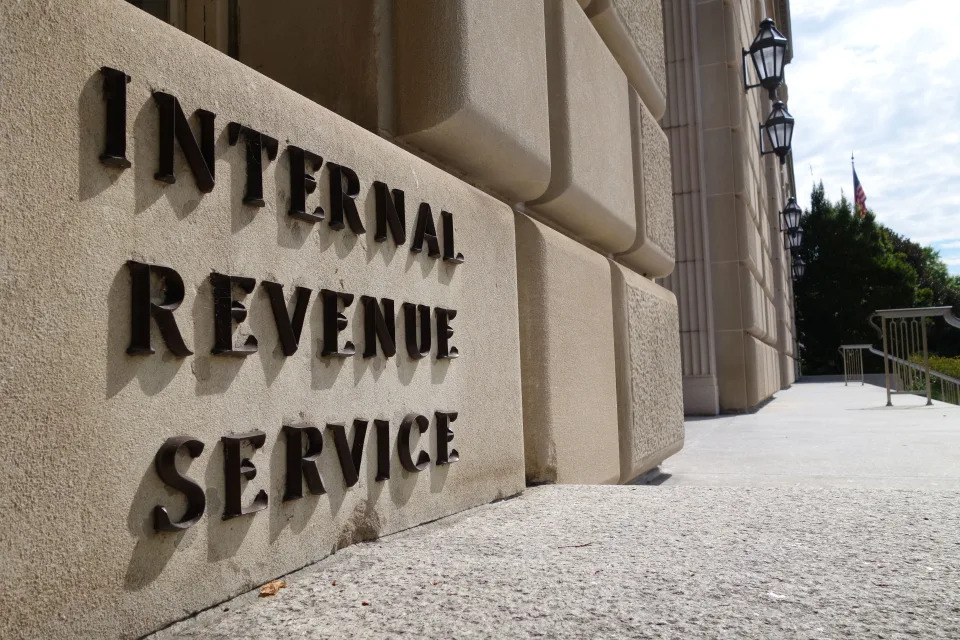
<point x="635" y="562"/>
<point x="825" y="434"/>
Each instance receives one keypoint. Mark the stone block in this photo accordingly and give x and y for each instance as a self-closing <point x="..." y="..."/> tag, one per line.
<point x="633" y="31"/>
<point x="762" y="372"/>
<point x="718" y="161"/>
<point x="748" y="238"/>
<point x="700" y="396"/>
<point x="727" y="312"/>
<point x="566" y="354"/>
<point x="715" y="96"/>
<point x="326" y="50"/>
<point x="84" y="419"/>
<point x="731" y="369"/>
<point x="591" y="184"/>
<point x="711" y="35"/>
<point x="752" y="303"/>
<point x="724" y="224"/>
<point x="471" y="89"/>
<point x="649" y="376"/>
<point x="653" y="250"/>
<point x="745" y="177"/>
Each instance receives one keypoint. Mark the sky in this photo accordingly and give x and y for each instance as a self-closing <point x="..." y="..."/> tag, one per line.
<point x="881" y="79"/>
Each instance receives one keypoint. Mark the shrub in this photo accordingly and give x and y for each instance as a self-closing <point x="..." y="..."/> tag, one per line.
<point x="946" y="366"/>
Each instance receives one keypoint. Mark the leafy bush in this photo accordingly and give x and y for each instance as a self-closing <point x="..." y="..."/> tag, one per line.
<point x="946" y="366"/>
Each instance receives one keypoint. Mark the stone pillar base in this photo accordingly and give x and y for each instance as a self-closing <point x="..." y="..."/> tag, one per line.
<point x="700" y="396"/>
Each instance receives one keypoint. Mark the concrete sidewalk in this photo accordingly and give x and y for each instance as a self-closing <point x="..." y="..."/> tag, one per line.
<point x="828" y="435"/>
<point x="791" y="531"/>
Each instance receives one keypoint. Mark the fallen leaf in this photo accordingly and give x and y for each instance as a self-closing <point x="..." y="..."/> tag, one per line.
<point x="271" y="588"/>
<point x="364" y="603"/>
<point x="334" y="583"/>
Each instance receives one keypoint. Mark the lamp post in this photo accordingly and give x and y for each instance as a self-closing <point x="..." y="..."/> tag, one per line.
<point x="794" y="239"/>
<point x="768" y="53"/>
<point x="790" y="216"/>
<point x="790" y="222"/>
<point x="798" y="268"/>
<point x="776" y="134"/>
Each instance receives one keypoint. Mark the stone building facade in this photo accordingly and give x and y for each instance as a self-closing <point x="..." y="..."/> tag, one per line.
<point x="288" y="275"/>
<point x="733" y="276"/>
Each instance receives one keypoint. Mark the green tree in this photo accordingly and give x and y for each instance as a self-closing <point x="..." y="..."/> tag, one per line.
<point x="935" y="288"/>
<point x="852" y="270"/>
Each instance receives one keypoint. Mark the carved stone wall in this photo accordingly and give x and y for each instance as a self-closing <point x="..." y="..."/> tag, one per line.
<point x="523" y="136"/>
<point x="733" y="275"/>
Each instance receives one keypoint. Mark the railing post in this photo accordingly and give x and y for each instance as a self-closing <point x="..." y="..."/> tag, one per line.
<point x="844" y="351"/>
<point x="926" y="357"/>
<point x="886" y="365"/>
<point x="860" y="365"/>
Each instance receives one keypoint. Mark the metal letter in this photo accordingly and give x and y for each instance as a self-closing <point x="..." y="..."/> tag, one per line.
<point x="425" y="230"/>
<point x="142" y="308"/>
<point x="302" y="183"/>
<point x="417" y="349"/>
<point x="390" y="212"/>
<point x="288" y="328"/>
<point x="350" y="458"/>
<point x="115" y="93"/>
<point x="173" y="124"/>
<point x="343" y="198"/>
<point x="235" y="469"/>
<point x="256" y="142"/>
<point x="302" y="463"/>
<point x="165" y="463"/>
<point x="403" y="443"/>
<point x="444" y="333"/>
<point x="449" y="251"/>
<point x="445" y="436"/>
<point x="383" y="449"/>
<point x="378" y="324"/>
<point x="226" y="311"/>
<point x="334" y="322"/>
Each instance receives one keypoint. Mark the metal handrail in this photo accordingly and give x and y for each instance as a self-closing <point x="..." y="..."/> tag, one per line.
<point x="908" y="363"/>
<point x="921" y="312"/>
<point x="908" y="331"/>
<point x="852" y="362"/>
<point x="952" y="398"/>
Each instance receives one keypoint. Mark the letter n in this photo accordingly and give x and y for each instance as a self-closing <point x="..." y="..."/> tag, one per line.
<point x="173" y="124"/>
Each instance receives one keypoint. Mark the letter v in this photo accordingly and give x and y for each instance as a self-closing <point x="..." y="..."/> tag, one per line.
<point x="288" y="328"/>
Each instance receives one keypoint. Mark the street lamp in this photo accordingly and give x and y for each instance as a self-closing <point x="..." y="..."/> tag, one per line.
<point x="776" y="134"/>
<point x="798" y="268"/>
<point x="794" y="239"/>
<point x="768" y="53"/>
<point x="790" y="216"/>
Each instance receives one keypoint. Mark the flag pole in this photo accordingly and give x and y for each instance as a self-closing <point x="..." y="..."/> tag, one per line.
<point x="853" y="169"/>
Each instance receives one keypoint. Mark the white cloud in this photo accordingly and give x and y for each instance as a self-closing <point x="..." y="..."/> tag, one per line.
<point x="881" y="78"/>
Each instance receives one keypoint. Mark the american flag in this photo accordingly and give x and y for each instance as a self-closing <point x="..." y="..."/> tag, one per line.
<point x="859" y="195"/>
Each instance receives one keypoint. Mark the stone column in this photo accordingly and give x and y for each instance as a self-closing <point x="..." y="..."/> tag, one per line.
<point x="691" y="280"/>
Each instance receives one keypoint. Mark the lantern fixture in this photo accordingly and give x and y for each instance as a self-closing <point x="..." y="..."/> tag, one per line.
<point x="794" y="239"/>
<point x="768" y="53"/>
<point x="790" y="216"/>
<point x="798" y="268"/>
<point x="776" y="134"/>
